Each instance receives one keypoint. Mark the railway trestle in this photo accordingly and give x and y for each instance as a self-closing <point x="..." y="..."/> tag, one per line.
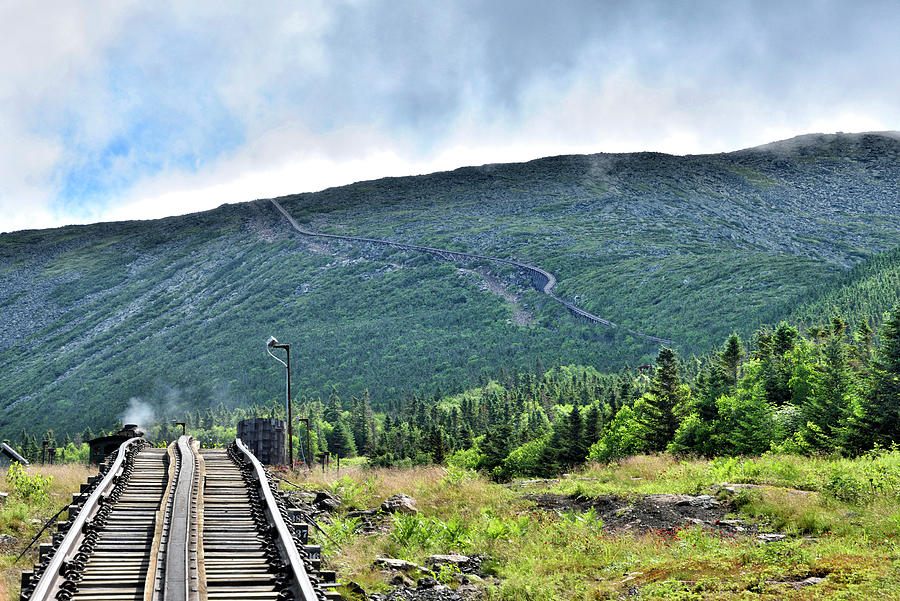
<point x="180" y="524"/>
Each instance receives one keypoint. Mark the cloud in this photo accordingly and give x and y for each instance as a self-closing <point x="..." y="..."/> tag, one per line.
<point x="125" y="109"/>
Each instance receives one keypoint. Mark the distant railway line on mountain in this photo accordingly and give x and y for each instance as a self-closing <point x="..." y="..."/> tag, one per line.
<point x="541" y="279"/>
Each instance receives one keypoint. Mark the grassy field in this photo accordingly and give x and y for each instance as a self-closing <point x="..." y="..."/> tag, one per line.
<point x="840" y="519"/>
<point x="25" y="512"/>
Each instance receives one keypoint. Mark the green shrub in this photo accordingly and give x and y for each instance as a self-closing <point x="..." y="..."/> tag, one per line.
<point x="526" y="459"/>
<point x="465" y="459"/>
<point x="414" y="532"/>
<point x="844" y="486"/>
<point x="32" y="488"/>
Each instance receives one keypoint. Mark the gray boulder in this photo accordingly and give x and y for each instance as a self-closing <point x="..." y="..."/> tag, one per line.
<point x="464" y="563"/>
<point x="399" y="503"/>
<point x="326" y="501"/>
<point x="400" y="565"/>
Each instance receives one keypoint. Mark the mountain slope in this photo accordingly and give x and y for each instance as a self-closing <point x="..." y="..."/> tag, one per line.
<point x="176" y="311"/>
<point x="867" y="291"/>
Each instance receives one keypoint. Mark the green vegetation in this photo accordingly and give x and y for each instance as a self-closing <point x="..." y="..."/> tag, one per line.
<point x="36" y="493"/>
<point x="848" y="547"/>
<point x="175" y="311"/>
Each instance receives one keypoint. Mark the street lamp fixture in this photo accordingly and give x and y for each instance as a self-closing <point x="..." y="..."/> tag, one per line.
<point x="272" y="343"/>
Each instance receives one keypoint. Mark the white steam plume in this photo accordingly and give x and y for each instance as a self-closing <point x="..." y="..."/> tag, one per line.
<point x="139" y="413"/>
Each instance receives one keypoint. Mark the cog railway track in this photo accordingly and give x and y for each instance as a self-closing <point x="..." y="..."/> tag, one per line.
<point x="180" y="524"/>
<point x="543" y="280"/>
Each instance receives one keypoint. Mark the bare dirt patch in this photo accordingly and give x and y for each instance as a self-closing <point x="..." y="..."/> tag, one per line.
<point x="650" y="513"/>
<point x="491" y="284"/>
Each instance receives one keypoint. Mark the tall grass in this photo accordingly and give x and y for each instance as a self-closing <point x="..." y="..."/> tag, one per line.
<point x="23" y="515"/>
<point x="852" y="540"/>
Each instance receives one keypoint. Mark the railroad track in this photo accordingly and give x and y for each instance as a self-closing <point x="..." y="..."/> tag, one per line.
<point x="541" y="279"/>
<point x="180" y="524"/>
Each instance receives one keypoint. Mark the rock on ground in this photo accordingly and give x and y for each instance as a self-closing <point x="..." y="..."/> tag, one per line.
<point x="467" y="564"/>
<point x="399" y="503"/>
<point x="395" y="564"/>
<point x="649" y="513"/>
<point x="429" y="591"/>
<point x="326" y="501"/>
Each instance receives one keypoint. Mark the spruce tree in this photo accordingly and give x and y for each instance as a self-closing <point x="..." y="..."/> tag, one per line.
<point x="625" y="392"/>
<point x="496" y="446"/>
<point x="333" y="407"/>
<point x="436" y="444"/>
<point x="826" y="408"/>
<point x="361" y="424"/>
<point x="882" y="419"/>
<point x="341" y="435"/>
<point x="592" y="425"/>
<point x="574" y="448"/>
<point x="665" y="394"/>
<point x="863" y="340"/>
<point x="784" y="339"/>
<point x="731" y="357"/>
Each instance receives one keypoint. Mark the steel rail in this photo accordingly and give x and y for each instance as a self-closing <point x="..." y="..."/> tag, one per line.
<point x="177" y="576"/>
<point x="51" y="577"/>
<point x="285" y="539"/>
<point x="547" y="288"/>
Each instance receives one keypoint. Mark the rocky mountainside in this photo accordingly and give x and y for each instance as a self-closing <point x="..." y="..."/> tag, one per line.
<point x="176" y="311"/>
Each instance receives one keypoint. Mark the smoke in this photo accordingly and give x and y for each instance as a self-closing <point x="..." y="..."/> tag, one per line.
<point x="139" y="413"/>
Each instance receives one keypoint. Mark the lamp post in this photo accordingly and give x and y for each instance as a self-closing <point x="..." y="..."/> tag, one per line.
<point x="271" y="343"/>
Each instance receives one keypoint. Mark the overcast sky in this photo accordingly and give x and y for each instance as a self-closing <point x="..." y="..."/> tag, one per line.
<point x="131" y="110"/>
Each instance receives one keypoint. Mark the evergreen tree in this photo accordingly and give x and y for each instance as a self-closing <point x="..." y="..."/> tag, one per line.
<point x="863" y="343"/>
<point x="333" y="407"/>
<point x="731" y="357"/>
<point x="553" y="453"/>
<point x="665" y="394"/>
<point x="574" y="449"/>
<point x="496" y="446"/>
<point x="592" y="425"/>
<point x="784" y="339"/>
<point x="772" y="348"/>
<point x="361" y="424"/>
<point x="882" y="419"/>
<point x="341" y="435"/>
<point x="465" y="437"/>
<point x="437" y="445"/>
<point x="832" y="394"/>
